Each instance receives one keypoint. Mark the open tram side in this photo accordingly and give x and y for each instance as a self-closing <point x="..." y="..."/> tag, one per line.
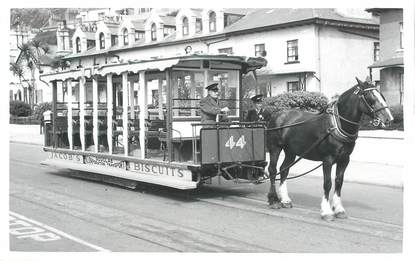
<point x="140" y="120"/>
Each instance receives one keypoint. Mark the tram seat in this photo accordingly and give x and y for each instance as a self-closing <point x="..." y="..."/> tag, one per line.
<point x="61" y="131"/>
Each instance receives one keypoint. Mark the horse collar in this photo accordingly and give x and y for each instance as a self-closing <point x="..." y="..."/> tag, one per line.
<point x="336" y="128"/>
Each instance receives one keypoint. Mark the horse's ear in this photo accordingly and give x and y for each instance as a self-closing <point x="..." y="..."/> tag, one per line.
<point x="368" y="80"/>
<point x="359" y="81"/>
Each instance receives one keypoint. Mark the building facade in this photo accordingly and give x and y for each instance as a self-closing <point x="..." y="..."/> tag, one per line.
<point x="390" y="65"/>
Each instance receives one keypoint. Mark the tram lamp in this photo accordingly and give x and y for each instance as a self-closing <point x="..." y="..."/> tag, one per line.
<point x="188" y="49"/>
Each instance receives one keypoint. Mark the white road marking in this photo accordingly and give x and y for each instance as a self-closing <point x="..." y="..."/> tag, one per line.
<point x="58" y="232"/>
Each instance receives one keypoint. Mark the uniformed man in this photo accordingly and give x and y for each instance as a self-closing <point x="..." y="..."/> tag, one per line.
<point x="209" y="106"/>
<point x="255" y="114"/>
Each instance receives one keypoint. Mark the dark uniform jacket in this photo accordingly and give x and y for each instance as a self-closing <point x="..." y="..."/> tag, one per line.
<point x="254" y="115"/>
<point x="209" y="108"/>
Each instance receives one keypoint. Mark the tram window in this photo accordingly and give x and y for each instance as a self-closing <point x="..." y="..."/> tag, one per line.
<point x="187" y="91"/>
<point x="102" y="93"/>
<point x="229" y="89"/>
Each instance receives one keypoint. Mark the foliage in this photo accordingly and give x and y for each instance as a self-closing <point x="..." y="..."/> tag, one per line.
<point x="396" y="124"/>
<point x="40" y="109"/>
<point x="19" y="108"/>
<point x="308" y="101"/>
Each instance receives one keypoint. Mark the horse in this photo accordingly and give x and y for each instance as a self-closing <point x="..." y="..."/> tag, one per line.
<point x="328" y="137"/>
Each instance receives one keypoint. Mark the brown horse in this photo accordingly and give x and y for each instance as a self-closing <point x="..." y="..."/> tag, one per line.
<point x="328" y="137"/>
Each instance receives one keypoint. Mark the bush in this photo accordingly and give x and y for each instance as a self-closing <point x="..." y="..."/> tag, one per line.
<point x="19" y="108"/>
<point x="308" y="101"/>
<point x="40" y="109"/>
<point x="396" y="124"/>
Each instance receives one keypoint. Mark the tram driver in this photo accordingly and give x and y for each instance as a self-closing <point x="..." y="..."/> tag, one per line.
<point x="209" y="106"/>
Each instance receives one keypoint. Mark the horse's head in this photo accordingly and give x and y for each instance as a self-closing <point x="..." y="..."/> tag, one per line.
<point x="373" y="103"/>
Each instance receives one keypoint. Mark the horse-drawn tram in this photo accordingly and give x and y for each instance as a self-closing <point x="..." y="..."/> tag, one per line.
<point x="141" y="121"/>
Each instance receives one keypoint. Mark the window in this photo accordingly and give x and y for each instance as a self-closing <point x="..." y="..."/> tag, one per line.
<point x="101" y="41"/>
<point x="292" y="51"/>
<point x="259" y="49"/>
<point x="153" y="32"/>
<point x="212" y="22"/>
<point x="226" y="50"/>
<point x="293" y="86"/>
<point x="78" y="44"/>
<point x="167" y="30"/>
<point x="138" y="35"/>
<point x="199" y="25"/>
<point x="114" y="40"/>
<point x="401" y="35"/>
<point x="185" y="26"/>
<point x="125" y="36"/>
<point x="63" y="42"/>
<point x="376" y="50"/>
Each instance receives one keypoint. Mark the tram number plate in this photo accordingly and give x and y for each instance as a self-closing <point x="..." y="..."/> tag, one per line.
<point x="232" y="145"/>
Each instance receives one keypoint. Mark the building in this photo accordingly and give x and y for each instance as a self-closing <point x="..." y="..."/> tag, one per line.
<point x="389" y="64"/>
<point x="307" y="49"/>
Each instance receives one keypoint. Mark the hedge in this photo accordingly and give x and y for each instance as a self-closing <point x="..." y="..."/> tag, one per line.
<point x="19" y="108"/>
<point x="308" y="101"/>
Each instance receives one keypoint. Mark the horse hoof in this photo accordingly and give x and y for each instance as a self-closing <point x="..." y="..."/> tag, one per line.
<point x="287" y="205"/>
<point x="341" y="215"/>
<point x="328" y="217"/>
<point x="275" y="205"/>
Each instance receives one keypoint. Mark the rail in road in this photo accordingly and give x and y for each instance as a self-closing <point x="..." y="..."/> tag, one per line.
<point x="171" y="236"/>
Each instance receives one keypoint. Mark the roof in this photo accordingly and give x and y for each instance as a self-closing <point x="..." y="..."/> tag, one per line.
<point x="277" y="16"/>
<point x="138" y="24"/>
<point x="168" y="20"/>
<point x="237" y="11"/>
<point x="392" y="62"/>
<point x="257" y="19"/>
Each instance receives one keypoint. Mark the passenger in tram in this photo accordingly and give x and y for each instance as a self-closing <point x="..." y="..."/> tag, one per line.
<point x="256" y="113"/>
<point x="209" y="106"/>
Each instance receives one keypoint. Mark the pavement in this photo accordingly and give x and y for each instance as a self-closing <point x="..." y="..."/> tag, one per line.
<point x="378" y="157"/>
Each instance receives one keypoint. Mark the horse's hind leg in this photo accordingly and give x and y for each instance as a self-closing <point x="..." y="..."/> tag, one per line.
<point x="337" y="206"/>
<point x="273" y="200"/>
<point x="282" y="190"/>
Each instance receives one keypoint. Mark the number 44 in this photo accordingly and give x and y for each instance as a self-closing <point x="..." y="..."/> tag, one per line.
<point x="230" y="143"/>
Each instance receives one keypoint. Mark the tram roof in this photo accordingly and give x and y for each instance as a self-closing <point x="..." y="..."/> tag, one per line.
<point x="247" y="64"/>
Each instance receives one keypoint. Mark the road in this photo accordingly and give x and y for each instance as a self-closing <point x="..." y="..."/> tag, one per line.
<point x="51" y="210"/>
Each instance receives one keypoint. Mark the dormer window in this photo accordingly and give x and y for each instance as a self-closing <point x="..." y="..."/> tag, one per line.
<point x="212" y="22"/>
<point x="153" y="32"/>
<point x="199" y="26"/>
<point x="125" y="36"/>
<point x="78" y="44"/>
<point x="101" y="41"/>
<point x="185" y="26"/>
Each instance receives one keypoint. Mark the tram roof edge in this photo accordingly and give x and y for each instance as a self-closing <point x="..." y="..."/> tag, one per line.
<point x="247" y="63"/>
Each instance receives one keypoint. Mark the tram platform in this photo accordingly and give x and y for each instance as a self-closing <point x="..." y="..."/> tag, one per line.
<point x="369" y="162"/>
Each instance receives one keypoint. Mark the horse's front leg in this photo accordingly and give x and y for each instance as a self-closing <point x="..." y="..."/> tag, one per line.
<point x="273" y="200"/>
<point x="337" y="206"/>
<point x="326" y="211"/>
<point x="284" y="170"/>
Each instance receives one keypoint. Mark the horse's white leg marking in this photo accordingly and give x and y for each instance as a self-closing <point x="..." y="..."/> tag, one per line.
<point x="283" y="193"/>
<point x="325" y="207"/>
<point x="337" y="204"/>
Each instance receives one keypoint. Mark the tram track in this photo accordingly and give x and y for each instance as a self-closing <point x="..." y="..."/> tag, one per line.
<point x="156" y="231"/>
<point x="373" y="228"/>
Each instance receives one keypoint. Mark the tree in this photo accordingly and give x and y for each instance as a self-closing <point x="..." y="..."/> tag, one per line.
<point x="26" y="65"/>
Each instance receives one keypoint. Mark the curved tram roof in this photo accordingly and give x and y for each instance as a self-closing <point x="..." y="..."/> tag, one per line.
<point x="247" y="64"/>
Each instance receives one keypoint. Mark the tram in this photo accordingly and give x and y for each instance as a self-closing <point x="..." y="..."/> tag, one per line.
<point x="140" y="120"/>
